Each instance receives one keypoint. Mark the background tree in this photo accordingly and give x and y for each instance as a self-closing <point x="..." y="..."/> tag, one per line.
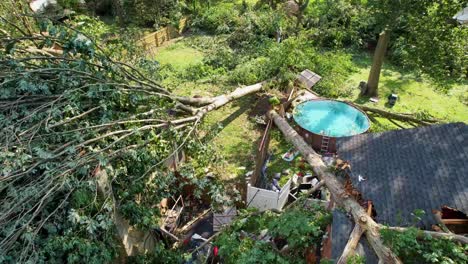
<point x="424" y="34"/>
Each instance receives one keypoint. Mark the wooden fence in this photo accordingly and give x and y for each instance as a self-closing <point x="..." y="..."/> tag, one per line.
<point x="152" y="41"/>
<point x="262" y="153"/>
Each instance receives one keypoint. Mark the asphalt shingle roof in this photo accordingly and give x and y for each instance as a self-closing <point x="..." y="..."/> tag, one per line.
<point x="422" y="168"/>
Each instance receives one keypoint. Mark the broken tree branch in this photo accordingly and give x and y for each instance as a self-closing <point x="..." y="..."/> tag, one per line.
<point x="309" y="192"/>
<point x="226" y="98"/>
<point x="450" y="236"/>
<point x="203" y="101"/>
<point x="438" y="218"/>
<point x="396" y="116"/>
<point x="353" y="241"/>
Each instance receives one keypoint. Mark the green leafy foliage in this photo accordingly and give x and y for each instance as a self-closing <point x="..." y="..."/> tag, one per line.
<point x="299" y="227"/>
<point x="415" y="247"/>
<point x="153" y="13"/>
<point x="219" y="19"/>
<point x="65" y="119"/>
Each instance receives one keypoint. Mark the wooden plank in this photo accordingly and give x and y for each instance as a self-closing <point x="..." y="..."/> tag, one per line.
<point x="455" y="221"/>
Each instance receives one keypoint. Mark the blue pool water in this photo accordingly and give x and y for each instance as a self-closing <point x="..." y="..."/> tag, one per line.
<point x="331" y="118"/>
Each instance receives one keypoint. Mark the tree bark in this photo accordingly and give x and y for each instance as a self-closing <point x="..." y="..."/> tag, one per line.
<point x="450" y="236"/>
<point x="226" y="98"/>
<point x="379" y="55"/>
<point x="353" y="241"/>
<point x="337" y="190"/>
<point x="352" y="244"/>
<point x="438" y="218"/>
<point x="395" y="116"/>
<point x="202" y="101"/>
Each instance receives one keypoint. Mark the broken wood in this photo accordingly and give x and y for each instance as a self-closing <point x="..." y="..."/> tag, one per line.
<point x="343" y="199"/>
<point x="309" y="192"/>
<point x="353" y="241"/>
<point x="169" y="234"/>
<point x="203" y="101"/>
<point x="455" y="221"/>
<point x="450" y="236"/>
<point x="226" y="98"/>
<point x="191" y="223"/>
<point x="352" y="244"/>
<point x="438" y="218"/>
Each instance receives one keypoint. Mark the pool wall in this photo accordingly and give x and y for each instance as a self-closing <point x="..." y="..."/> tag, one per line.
<point x="314" y="139"/>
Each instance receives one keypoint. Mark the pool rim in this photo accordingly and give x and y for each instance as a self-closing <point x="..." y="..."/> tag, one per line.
<point x="326" y="99"/>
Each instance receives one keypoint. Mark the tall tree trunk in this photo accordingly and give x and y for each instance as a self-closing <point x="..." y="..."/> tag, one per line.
<point x="343" y="199"/>
<point x="379" y="55"/>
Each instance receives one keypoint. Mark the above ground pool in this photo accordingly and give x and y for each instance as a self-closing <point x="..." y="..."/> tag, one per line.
<point x="331" y="118"/>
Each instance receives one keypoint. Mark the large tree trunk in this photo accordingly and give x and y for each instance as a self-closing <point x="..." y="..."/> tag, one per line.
<point x="343" y="199"/>
<point x="226" y="98"/>
<point x="379" y="55"/>
<point x="396" y="116"/>
<point x="239" y="92"/>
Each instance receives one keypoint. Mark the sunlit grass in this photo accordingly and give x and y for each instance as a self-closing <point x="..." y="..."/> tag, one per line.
<point x="416" y="94"/>
<point x="178" y="55"/>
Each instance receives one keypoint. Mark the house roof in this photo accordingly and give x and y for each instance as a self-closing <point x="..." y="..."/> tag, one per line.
<point x="421" y="168"/>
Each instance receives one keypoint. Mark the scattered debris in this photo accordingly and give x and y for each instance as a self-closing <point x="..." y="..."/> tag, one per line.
<point x="221" y="219"/>
<point x="392" y="98"/>
<point x="290" y="155"/>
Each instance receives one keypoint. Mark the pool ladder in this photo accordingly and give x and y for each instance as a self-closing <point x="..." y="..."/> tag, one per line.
<point x="325" y="143"/>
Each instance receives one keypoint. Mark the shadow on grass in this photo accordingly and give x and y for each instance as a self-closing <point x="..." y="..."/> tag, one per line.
<point x="362" y="99"/>
<point x="216" y="128"/>
<point x="362" y="59"/>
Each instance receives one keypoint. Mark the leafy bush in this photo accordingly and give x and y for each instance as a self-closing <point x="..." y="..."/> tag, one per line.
<point x="201" y="71"/>
<point x="253" y="71"/>
<point x="413" y="247"/>
<point x="434" y="46"/>
<point x="339" y="23"/>
<point x="218" y="19"/>
<point x="300" y="227"/>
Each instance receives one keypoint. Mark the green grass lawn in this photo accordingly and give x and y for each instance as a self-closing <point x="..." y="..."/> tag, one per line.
<point x="416" y="94"/>
<point x="178" y="55"/>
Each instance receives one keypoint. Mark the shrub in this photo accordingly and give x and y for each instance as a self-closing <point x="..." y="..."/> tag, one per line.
<point x="218" y="19"/>
<point x="253" y="71"/>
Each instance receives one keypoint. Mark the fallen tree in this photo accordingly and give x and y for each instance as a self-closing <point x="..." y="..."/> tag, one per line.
<point x="396" y="116"/>
<point x="363" y="221"/>
<point x="65" y="114"/>
<point x="343" y="199"/>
